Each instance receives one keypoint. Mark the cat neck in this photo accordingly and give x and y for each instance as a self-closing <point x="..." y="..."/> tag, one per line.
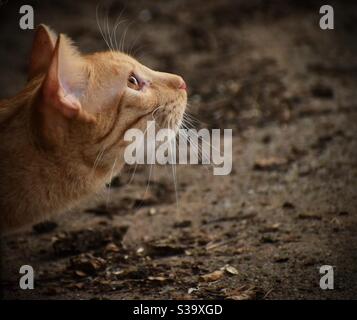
<point x="42" y="185"/>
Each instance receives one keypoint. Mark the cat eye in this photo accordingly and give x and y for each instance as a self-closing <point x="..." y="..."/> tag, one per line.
<point x="133" y="83"/>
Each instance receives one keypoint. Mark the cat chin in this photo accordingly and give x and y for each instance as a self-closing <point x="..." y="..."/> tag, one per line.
<point x="177" y="126"/>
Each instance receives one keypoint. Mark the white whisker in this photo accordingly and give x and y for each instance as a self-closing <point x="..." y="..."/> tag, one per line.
<point x="110" y="180"/>
<point x="100" y="28"/>
<point x="115" y="28"/>
<point x="173" y="166"/>
<point x="97" y="160"/>
<point x="108" y="32"/>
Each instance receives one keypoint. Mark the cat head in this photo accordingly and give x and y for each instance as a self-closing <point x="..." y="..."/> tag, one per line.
<point x="86" y="103"/>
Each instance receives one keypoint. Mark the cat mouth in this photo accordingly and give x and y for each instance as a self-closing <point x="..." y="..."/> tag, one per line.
<point x="171" y="115"/>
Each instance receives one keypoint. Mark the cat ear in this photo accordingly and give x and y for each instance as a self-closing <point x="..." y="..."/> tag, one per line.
<point x="42" y="50"/>
<point x="63" y="84"/>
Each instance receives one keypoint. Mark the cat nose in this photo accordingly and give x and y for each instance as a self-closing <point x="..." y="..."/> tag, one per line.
<point x="179" y="83"/>
<point x="173" y="81"/>
<point x="182" y="85"/>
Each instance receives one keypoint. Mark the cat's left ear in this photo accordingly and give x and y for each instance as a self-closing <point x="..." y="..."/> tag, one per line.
<point x="65" y="80"/>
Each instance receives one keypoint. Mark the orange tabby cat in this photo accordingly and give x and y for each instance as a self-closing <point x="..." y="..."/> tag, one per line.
<point x="73" y="109"/>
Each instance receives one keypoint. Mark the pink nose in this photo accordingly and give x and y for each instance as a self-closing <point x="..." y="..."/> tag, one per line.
<point x="183" y="85"/>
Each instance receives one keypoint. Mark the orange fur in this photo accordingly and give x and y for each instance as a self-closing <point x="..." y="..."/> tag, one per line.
<point x="73" y="108"/>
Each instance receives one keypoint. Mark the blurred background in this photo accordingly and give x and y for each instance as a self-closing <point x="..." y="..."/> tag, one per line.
<point x="287" y="89"/>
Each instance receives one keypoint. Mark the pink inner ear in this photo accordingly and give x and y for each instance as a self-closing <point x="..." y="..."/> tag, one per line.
<point x="68" y="103"/>
<point x="56" y="94"/>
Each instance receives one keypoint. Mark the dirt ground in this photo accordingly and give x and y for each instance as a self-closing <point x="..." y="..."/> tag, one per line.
<point x="287" y="89"/>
